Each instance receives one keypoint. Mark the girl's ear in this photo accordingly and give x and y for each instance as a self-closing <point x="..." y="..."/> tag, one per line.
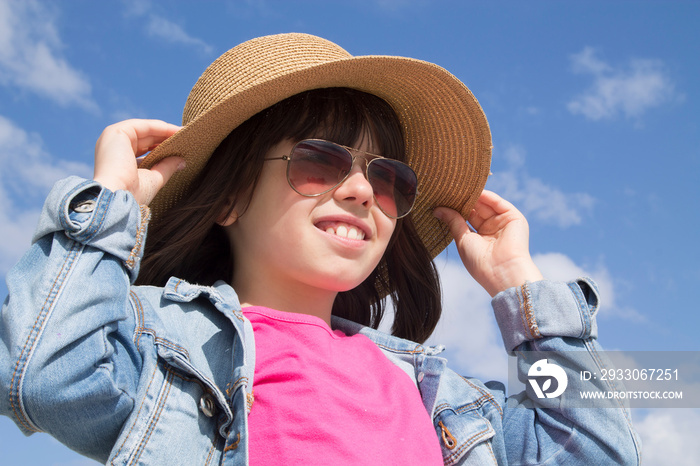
<point x="225" y="221"/>
<point x="229" y="214"/>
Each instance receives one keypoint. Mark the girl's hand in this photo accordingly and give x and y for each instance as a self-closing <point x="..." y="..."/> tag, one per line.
<point x="116" y="150"/>
<point x="497" y="255"/>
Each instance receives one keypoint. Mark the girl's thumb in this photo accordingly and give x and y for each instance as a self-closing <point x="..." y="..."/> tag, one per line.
<point x="454" y="220"/>
<point x="160" y="174"/>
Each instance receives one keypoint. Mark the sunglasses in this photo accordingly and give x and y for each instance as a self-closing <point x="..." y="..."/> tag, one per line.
<point x="315" y="167"/>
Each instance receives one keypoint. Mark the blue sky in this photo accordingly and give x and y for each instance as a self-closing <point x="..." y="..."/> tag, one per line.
<point x="592" y="106"/>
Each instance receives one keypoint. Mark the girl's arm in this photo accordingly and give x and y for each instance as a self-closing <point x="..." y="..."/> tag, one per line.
<point x="68" y="365"/>
<point x="541" y="319"/>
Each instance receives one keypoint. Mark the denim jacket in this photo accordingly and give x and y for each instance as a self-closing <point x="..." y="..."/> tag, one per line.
<point x="146" y="375"/>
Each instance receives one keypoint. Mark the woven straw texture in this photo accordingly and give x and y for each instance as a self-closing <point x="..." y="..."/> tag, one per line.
<point x="447" y="135"/>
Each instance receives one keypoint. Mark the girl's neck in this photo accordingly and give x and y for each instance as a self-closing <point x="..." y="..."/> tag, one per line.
<point x="298" y="300"/>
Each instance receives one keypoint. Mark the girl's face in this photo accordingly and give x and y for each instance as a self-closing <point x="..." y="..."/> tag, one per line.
<point x="286" y="243"/>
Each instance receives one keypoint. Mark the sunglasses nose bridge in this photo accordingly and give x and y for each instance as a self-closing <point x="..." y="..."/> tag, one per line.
<point x="362" y="161"/>
<point x="353" y="187"/>
<point x="359" y="164"/>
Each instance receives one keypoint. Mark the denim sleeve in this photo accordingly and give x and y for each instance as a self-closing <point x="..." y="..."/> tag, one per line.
<point x="68" y="365"/>
<point x="557" y="320"/>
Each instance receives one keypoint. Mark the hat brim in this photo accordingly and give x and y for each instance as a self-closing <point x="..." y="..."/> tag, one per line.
<point x="448" y="139"/>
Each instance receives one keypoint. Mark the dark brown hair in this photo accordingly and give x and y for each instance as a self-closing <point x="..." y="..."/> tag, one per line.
<point x="187" y="242"/>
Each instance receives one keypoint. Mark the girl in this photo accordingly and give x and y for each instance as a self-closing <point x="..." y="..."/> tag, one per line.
<point x="314" y="184"/>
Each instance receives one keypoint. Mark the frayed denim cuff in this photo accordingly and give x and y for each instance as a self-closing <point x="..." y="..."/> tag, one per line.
<point x="93" y="215"/>
<point x="547" y="309"/>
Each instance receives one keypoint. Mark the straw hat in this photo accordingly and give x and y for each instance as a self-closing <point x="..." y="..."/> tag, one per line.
<point x="447" y="136"/>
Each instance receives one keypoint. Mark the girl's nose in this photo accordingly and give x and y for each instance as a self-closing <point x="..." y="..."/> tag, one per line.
<point x="355" y="188"/>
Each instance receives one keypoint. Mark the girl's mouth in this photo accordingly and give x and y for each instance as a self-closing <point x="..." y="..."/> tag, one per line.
<point x="344" y="230"/>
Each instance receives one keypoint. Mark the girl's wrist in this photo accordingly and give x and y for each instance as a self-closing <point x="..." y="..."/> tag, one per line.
<point x="110" y="183"/>
<point x="516" y="275"/>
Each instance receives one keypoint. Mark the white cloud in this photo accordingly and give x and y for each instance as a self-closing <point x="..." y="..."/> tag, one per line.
<point x="399" y="5"/>
<point x="16" y="227"/>
<point x="559" y="267"/>
<point x="27" y="175"/>
<point x="31" y="59"/>
<point x="27" y="167"/>
<point x="630" y="90"/>
<point x="535" y="198"/>
<point x="669" y="436"/>
<point x="174" y="33"/>
<point x="163" y="28"/>
<point x="137" y="7"/>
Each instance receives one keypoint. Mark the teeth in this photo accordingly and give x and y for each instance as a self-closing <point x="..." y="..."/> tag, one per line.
<point x="346" y="232"/>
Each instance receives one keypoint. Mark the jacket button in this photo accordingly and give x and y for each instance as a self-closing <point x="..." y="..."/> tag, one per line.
<point x="207" y="405"/>
<point x="420" y="377"/>
<point x="84" y="207"/>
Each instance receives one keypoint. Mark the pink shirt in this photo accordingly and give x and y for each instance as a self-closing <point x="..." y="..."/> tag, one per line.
<point x="321" y="397"/>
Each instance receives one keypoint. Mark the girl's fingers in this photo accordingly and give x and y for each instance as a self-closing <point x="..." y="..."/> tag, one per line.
<point x="492" y="202"/>
<point x="481" y="212"/>
<point x="454" y="220"/>
<point x="491" y="211"/>
<point x="483" y="209"/>
<point x="150" y="181"/>
<point x="148" y="134"/>
<point x="476" y="219"/>
<point x="166" y="168"/>
<point x="139" y="135"/>
<point x="116" y="150"/>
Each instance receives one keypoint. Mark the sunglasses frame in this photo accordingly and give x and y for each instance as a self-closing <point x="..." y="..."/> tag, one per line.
<point x="368" y="158"/>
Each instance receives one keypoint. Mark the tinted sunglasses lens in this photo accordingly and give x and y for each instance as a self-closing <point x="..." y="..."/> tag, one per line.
<point x="394" y="185"/>
<point x="317" y="166"/>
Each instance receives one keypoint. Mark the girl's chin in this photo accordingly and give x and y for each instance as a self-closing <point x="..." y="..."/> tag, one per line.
<point x="341" y="286"/>
<point x="339" y="277"/>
